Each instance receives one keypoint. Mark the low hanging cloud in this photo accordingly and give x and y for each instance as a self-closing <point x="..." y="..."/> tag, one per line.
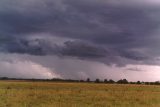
<point x="16" y="66"/>
<point x="25" y="69"/>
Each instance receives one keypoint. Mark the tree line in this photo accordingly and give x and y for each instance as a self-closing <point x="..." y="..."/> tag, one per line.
<point x="124" y="81"/>
<point x="88" y="80"/>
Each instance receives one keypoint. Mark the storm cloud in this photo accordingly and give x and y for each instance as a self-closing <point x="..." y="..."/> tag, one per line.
<point x="108" y="32"/>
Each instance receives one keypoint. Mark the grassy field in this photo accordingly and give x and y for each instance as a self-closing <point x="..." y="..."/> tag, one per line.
<point x="50" y="94"/>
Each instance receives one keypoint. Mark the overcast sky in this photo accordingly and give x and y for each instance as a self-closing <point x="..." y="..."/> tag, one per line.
<point x="79" y="39"/>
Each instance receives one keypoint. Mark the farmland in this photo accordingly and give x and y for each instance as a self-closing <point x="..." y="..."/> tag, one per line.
<point x="59" y="94"/>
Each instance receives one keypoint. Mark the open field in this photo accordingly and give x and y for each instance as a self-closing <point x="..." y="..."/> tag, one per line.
<point x="51" y="94"/>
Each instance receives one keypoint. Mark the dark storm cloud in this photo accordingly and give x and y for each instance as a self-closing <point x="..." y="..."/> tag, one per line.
<point x="83" y="50"/>
<point x="43" y="47"/>
<point x="23" y="46"/>
<point x="135" y="69"/>
<point x="132" y="55"/>
<point x="108" y="32"/>
<point x="78" y="49"/>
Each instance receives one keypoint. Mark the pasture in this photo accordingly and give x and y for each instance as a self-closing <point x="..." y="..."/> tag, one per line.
<point x="56" y="94"/>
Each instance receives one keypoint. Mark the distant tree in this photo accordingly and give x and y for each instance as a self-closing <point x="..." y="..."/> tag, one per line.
<point x="4" y="78"/>
<point x="111" y="81"/>
<point x="157" y="83"/>
<point x="105" y="81"/>
<point x="88" y="80"/>
<point x="125" y="81"/>
<point x="119" y="81"/>
<point x="132" y="82"/>
<point x="81" y="81"/>
<point x="147" y="83"/>
<point x="97" y="81"/>
<point x="138" y="82"/>
<point x="122" y="81"/>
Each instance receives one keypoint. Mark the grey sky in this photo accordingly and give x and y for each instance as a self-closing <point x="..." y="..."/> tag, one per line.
<point x="108" y="33"/>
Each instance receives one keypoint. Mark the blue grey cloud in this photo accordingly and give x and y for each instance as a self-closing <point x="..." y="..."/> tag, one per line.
<point x="108" y="31"/>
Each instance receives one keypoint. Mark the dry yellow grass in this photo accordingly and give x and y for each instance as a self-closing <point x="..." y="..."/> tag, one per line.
<point x="51" y="94"/>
